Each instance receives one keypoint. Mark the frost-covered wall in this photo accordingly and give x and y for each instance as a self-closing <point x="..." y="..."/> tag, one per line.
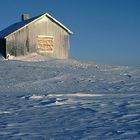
<point x="25" y="40"/>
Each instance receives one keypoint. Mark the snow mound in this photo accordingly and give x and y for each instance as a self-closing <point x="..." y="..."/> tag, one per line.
<point x="75" y="95"/>
<point x="33" y="57"/>
<point x="36" y="97"/>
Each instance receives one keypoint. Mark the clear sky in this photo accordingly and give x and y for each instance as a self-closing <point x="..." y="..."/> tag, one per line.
<point x="105" y="31"/>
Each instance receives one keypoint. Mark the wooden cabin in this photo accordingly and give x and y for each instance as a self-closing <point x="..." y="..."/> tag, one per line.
<point x="42" y="34"/>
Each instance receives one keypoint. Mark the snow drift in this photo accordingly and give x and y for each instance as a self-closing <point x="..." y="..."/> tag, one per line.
<point x="44" y="98"/>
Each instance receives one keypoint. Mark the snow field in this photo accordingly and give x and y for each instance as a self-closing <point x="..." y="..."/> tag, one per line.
<point x="45" y="99"/>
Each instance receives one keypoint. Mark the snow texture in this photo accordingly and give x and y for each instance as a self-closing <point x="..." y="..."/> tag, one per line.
<point x="68" y="100"/>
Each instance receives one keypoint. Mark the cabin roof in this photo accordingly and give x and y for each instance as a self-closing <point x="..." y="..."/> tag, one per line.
<point x="20" y="25"/>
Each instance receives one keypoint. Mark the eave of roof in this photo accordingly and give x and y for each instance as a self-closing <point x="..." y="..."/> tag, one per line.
<point x="32" y="20"/>
<point x="60" y="24"/>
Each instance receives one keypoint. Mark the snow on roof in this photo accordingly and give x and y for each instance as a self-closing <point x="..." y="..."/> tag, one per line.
<point x="17" y="26"/>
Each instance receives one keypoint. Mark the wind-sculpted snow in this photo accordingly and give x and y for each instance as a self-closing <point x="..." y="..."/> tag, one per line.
<point x="68" y="100"/>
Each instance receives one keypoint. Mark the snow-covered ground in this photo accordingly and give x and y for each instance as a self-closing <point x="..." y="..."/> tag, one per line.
<point x="45" y="99"/>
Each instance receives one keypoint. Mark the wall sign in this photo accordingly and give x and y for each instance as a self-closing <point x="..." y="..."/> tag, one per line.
<point x="45" y="43"/>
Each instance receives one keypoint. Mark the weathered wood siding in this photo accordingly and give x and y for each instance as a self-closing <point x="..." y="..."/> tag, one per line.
<point x="25" y="40"/>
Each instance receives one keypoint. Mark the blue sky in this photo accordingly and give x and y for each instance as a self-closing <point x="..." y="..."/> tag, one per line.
<point x="105" y="31"/>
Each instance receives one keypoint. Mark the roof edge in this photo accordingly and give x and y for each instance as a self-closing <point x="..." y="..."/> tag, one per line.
<point x="59" y="23"/>
<point x="49" y="16"/>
